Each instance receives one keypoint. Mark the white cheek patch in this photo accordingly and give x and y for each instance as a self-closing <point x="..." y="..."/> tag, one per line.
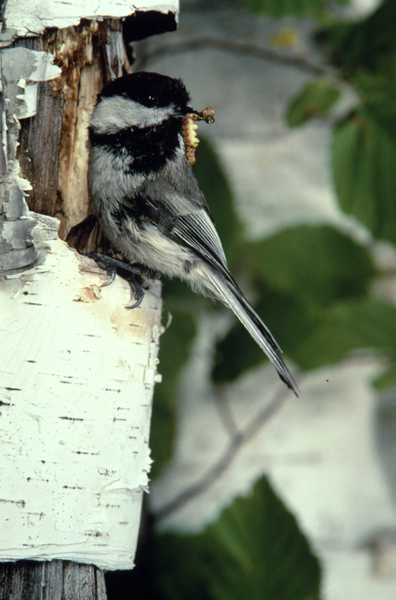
<point x="116" y="113"/>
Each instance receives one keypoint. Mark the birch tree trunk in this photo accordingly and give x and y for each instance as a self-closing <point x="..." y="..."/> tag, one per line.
<point x="77" y="370"/>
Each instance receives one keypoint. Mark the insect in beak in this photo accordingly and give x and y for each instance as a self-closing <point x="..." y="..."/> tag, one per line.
<point x="190" y="129"/>
<point x="207" y="114"/>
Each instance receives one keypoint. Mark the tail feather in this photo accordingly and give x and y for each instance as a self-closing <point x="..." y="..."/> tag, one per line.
<point x="230" y="294"/>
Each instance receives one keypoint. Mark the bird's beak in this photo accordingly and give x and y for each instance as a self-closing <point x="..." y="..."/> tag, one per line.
<point x="188" y="110"/>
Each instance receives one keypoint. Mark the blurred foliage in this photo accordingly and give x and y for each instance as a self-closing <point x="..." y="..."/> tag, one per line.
<point x="365" y="324"/>
<point x="316" y="99"/>
<point x="253" y="550"/>
<point x="317" y="263"/>
<point x="363" y="162"/>
<point x="311" y="284"/>
<point x="296" y="8"/>
<point x="303" y="276"/>
<point x="285" y="37"/>
<point x="367" y="44"/>
<point x="364" y="140"/>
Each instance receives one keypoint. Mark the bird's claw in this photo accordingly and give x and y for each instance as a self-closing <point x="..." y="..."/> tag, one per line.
<point x="111" y="275"/>
<point x="137" y="295"/>
<point x="136" y="276"/>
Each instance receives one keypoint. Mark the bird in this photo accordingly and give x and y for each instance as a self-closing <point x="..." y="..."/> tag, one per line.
<point x="148" y="201"/>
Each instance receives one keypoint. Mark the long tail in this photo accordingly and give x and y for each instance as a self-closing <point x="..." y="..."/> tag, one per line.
<point x="230" y="294"/>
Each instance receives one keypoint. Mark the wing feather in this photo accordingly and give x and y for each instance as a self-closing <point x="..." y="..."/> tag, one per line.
<point x="197" y="230"/>
<point x="181" y="215"/>
<point x="188" y="232"/>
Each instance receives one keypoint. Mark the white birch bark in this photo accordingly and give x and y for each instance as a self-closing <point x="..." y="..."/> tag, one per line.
<point x="32" y="16"/>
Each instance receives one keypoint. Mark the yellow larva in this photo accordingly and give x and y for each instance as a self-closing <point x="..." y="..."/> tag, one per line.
<point x="190" y="129"/>
<point x="190" y="137"/>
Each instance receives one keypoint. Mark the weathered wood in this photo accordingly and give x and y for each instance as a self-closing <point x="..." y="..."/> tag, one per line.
<point x="39" y="144"/>
<point x="54" y="580"/>
<point x="53" y="144"/>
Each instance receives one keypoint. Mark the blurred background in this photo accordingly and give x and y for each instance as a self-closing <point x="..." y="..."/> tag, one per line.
<point x="256" y="494"/>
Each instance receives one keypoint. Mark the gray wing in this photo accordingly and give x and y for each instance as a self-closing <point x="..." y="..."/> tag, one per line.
<point x="197" y="231"/>
<point x="180" y="207"/>
<point x="191" y="226"/>
<point x="179" y="211"/>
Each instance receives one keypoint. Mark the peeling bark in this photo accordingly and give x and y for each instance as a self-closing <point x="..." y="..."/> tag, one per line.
<point x="53" y="150"/>
<point x="16" y="246"/>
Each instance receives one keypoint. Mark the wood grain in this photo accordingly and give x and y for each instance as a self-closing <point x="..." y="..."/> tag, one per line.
<point x="54" y="580"/>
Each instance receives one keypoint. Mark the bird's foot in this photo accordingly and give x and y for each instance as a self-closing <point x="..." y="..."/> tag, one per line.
<point x="111" y="275"/>
<point x="139" y="282"/>
<point x="108" y="264"/>
<point x="135" y="274"/>
<point x="137" y="287"/>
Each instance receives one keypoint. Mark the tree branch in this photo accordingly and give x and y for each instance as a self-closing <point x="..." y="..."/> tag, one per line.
<point x="236" y="47"/>
<point x="224" y="461"/>
<point x="225" y="413"/>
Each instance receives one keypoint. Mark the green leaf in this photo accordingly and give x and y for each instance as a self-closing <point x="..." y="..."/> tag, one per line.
<point x="368" y="44"/>
<point x="254" y="550"/>
<point x="315" y="262"/>
<point x="214" y="183"/>
<point x="378" y="94"/>
<point x="363" y="163"/>
<point x="366" y="324"/>
<point x="316" y="99"/>
<point x="364" y="143"/>
<point x="175" y="346"/>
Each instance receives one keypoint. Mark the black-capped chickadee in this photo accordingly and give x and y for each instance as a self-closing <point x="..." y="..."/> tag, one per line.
<point x="147" y="198"/>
